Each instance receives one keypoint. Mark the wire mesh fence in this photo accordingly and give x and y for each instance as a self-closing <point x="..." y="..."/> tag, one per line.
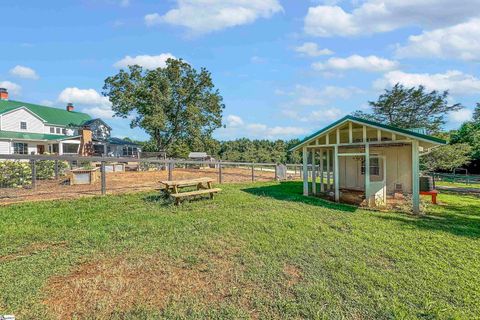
<point x="39" y="177"/>
<point x="467" y="179"/>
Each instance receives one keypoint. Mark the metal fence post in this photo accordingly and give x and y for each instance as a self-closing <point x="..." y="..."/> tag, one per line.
<point x="103" y="178"/>
<point x="34" y="173"/>
<point x="56" y="169"/>
<point x="276" y="171"/>
<point x="220" y="180"/>
<point x="253" y="172"/>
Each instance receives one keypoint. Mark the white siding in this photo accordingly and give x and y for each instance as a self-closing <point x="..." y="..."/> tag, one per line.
<point x="4" y="147"/>
<point x="399" y="168"/>
<point x="11" y="122"/>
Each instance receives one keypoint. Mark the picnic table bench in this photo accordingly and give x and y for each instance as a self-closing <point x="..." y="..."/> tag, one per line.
<point x="203" y="185"/>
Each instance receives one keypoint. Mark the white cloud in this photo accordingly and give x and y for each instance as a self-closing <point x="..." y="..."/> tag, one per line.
<point x="455" y="81"/>
<point x="24" y="72"/>
<point x="236" y="127"/>
<point x="461" y="41"/>
<point x="234" y="121"/>
<point x="146" y="61"/>
<point x="94" y="103"/>
<point x="311" y="49"/>
<point x="12" y="88"/>
<point x="372" y="16"/>
<point x="318" y="116"/>
<point x="369" y="63"/>
<point x="262" y="130"/>
<point x="310" y="96"/>
<point x="203" y="16"/>
<point x="124" y="3"/>
<point x="461" y="116"/>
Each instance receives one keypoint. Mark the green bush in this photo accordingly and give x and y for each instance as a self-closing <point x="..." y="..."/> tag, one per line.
<point x="46" y="169"/>
<point x="14" y="174"/>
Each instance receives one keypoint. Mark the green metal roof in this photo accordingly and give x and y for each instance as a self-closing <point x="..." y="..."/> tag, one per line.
<point x="372" y="123"/>
<point x="32" y="136"/>
<point x="51" y="115"/>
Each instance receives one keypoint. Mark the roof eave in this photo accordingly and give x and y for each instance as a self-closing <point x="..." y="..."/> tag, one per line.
<point x="418" y="136"/>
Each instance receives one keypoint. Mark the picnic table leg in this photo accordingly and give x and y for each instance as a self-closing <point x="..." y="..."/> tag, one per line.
<point x="434" y="198"/>
<point x="209" y="186"/>
<point x="175" y="191"/>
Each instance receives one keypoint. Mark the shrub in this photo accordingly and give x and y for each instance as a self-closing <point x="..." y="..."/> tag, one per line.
<point x="46" y="169"/>
<point x="15" y="174"/>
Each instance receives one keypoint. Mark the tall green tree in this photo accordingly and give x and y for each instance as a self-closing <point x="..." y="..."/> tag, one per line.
<point x="411" y="108"/>
<point x="176" y="105"/>
<point x="476" y="113"/>
<point x="469" y="133"/>
<point x="447" y="157"/>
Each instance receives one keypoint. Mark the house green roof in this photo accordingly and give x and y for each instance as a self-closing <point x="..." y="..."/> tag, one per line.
<point x="32" y="136"/>
<point x="50" y="115"/>
<point x="412" y="133"/>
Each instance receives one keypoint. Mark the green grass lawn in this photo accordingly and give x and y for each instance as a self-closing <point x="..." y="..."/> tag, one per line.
<point x="458" y="184"/>
<point x="258" y="250"/>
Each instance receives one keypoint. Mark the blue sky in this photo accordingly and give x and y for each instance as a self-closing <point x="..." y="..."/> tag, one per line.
<point x="284" y="68"/>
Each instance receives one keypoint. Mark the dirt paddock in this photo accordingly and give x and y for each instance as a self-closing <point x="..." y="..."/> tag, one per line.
<point x="124" y="182"/>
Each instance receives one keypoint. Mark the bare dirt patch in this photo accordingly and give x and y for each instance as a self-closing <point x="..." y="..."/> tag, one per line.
<point x="100" y="288"/>
<point x="293" y="274"/>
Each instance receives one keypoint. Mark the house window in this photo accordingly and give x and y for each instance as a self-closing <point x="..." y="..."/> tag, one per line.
<point x="52" y="130"/>
<point x="23" y="125"/>
<point x="64" y="131"/>
<point x="57" y="130"/>
<point x="374" y="167"/>
<point x="129" y="151"/>
<point x="70" y="148"/>
<point x="20" y="148"/>
<point x="98" y="149"/>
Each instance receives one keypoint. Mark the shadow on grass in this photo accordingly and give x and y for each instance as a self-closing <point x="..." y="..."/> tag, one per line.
<point x="165" y="201"/>
<point x="158" y="199"/>
<point x="458" y="219"/>
<point x="293" y="191"/>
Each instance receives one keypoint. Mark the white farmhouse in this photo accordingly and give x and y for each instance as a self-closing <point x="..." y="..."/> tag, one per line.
<point x="27" y="128"/>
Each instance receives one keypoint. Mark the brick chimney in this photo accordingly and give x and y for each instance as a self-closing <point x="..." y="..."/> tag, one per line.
<point x="86" y="145"/>
<point x="3" y="94"/>
<point x="70" y="107"/>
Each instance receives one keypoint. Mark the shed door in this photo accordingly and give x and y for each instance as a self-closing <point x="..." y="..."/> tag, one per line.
<point x="377" y="191"/>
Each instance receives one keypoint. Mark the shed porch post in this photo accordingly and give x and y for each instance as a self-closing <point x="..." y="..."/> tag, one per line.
<point x="336" y="174"/>
<point x="367" y="173"/>
<point x="305" y="171"/>
<point x="322" y="186"/>
<point x="415" y="178"/>
<point x="328" y="170"/>
<point x="314" y="173"/>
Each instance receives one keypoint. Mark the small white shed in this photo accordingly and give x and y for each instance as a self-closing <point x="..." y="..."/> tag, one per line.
<point x="363" y="156"/>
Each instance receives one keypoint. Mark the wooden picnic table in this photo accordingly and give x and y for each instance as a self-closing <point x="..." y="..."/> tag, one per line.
<point x="203" y="185"/>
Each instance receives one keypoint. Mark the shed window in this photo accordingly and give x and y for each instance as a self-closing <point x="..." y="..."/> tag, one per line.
<point x="374" y="167"/>
<point x="20" y="148"/>
<point x="23" y="125"/>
